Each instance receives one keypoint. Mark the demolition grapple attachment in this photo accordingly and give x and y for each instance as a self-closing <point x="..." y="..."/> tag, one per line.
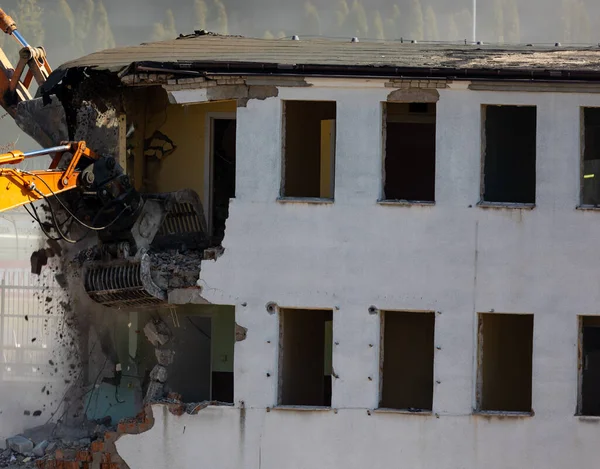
<point x="133" y="268"/>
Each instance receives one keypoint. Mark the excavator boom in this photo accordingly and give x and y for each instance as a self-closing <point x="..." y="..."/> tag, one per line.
<point x="14" y="87"/>
<point x="19" y="187"/>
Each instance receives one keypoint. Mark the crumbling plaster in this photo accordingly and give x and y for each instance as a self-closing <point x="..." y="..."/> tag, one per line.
<point x="455" y="258"/>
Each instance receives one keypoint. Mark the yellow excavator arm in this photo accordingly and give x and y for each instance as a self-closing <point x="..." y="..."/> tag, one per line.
<point x="19" y="187"/>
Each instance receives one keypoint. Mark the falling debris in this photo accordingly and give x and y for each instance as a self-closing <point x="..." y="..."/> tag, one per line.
<point x="164" y="357"/>
<point x="157" y="332"/>
<point x="174" y="269"/>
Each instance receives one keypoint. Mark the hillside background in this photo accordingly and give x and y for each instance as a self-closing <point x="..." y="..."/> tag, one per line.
<point x="71" y="28"/>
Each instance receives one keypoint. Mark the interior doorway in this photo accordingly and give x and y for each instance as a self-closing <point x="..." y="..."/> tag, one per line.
<point x="222" y="165"/>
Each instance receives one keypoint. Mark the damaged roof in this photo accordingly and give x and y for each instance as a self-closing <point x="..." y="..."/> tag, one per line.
<point x="205" y="52"/>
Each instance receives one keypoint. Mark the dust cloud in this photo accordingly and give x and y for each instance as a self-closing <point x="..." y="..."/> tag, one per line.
<point x="38" y="353"/>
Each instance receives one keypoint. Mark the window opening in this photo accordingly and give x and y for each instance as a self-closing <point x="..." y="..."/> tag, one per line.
<point x="410" y="151"/>
<point x="305" y="357"/>
<point x="309" y="149"/>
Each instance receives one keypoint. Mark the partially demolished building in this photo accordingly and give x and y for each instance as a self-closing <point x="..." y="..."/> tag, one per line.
<point x="400" y="265"/>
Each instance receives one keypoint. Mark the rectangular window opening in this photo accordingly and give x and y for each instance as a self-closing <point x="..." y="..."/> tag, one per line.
<point x="409" y="167"/>
<point x="590" y="177"/>
<point x="407" y="354"/>
<point x="309" y="149"/>
<point x="305" y="361"/>
<point x="509" y="154"/>
<point x="505" y="362"/>
<point x="589" y="366"/>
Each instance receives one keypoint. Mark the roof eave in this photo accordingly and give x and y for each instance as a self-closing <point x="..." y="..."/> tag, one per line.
<point x="360" y="71"/>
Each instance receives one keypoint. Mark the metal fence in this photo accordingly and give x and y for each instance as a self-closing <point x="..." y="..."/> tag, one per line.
<point x="28" y="325"/>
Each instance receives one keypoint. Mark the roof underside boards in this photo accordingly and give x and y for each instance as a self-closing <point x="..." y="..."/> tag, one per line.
<point x="198" y="52"/>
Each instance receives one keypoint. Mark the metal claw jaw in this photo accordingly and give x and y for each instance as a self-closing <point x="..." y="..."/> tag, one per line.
<point x="124" y="280"/>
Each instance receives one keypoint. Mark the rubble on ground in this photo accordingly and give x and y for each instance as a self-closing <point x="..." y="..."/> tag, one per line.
<point x="46" y="441"/>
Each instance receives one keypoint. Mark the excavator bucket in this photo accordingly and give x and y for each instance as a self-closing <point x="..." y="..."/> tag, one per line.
<point x="162" y="250"/>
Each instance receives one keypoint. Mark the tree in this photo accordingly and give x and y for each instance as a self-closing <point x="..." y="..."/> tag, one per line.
<point x="357" y="20"/>
<point x="453" y="34"/>
<point x="104" y="34"/>
<point x="583" y="23"/>
<point x="567" y="21"/>
<point x="312" y="22"/>
<point x="392" y="23"/>
<point x="84" y="21"/>
<point x="431" y="28"/>
<point x="268" y="35"/>
<point x="165" y="30"/>
<point x="378" y="26"/>
<point x="464" y="22"/>
<point x="200" y="14"/>
<point x="66" y="14"/>
<point x="498" y="21"/>
<point x="29" y="19"/>
<point x="341" y="14"/>
<point x="513" y="25"/>
<point x="416" y="21"/>
<point x="576" y="22"/>
<point x="222" y="22"/>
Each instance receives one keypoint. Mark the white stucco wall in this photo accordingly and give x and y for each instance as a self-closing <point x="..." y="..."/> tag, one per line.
<point x="454" y="257"/>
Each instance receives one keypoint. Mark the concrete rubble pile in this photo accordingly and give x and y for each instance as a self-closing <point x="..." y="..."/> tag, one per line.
<point x="174" y="269"/>
<point x="28" y="448"/>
